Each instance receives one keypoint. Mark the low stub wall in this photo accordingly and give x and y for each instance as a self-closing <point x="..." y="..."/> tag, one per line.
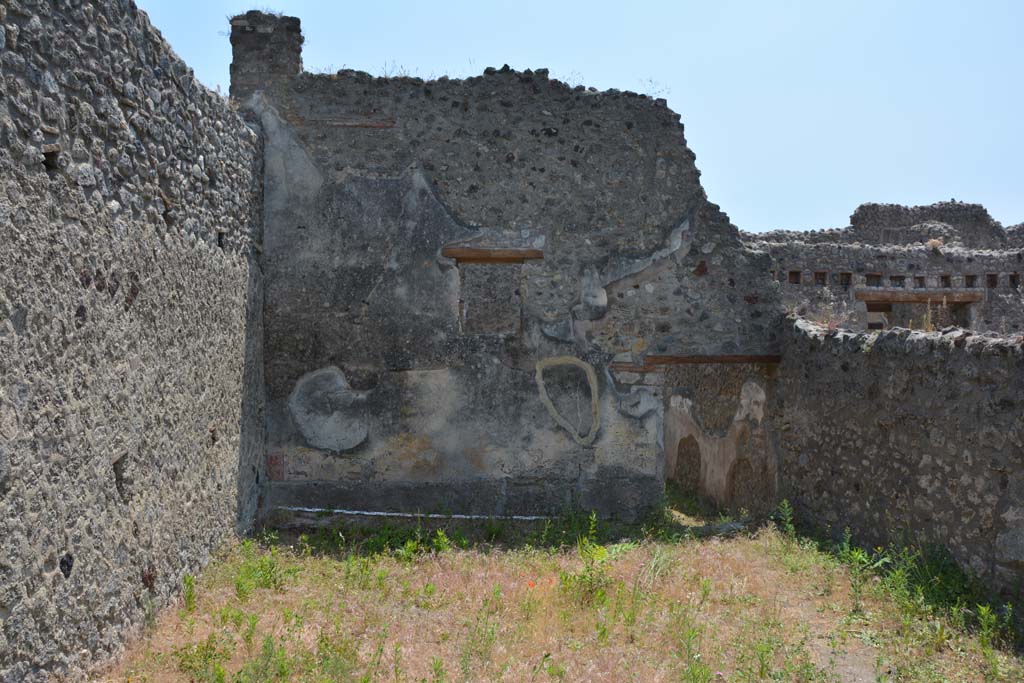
<point x="130" y="313"/>
<point x="907" y="434"/>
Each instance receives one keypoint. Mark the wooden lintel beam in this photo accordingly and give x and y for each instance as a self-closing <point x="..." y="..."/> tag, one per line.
<point x="911" y="297"/>
<point x="691" y="360"/>
<point x="343" y="123"/>
<point x="491" y="254"/>
<point x="655" y="363"/>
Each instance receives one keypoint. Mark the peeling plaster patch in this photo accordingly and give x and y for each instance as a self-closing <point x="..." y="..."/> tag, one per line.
<point x="639" y="402"/>
<point x="719" y="456"/>
<point x="1010" y="546"/>
<point x="560" y="330"/>
<point x="752" y="402"/>
<point x="595" y="414"/>
<point x="291" y="175"/>
<point x="593" y="297"/>
<point x="621" y="268"/>
<point x="326" y="410"/>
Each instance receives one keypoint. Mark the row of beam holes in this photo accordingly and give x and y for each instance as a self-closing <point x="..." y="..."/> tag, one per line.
<point x="844" y="280"/>
<point x="795" y="277"/>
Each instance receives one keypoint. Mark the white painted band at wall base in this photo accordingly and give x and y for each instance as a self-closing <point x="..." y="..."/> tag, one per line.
<point x="409" y="515"/>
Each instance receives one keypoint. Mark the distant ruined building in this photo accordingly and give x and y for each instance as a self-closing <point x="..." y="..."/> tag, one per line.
<point x="498" y="296"/>
<point x="922" y="267"/>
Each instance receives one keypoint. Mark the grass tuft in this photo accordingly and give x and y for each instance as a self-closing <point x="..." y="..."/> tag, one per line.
<point x="578" y="599"/>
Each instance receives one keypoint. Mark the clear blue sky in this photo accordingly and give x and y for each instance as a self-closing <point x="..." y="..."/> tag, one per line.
<point x="797" y="111"/>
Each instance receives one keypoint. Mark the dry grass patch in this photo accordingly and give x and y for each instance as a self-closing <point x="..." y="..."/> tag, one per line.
<point x="411" y="605"/>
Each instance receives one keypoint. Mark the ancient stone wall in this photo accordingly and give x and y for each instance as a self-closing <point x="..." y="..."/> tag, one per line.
<point x="451" y="267"/>
<point x="1015" y="236"/>
<point x="922" y="267"/>
<point x="968" y="225"/>
<point x="982" y="289"/>
<point x="903" y="432"/>
<point x="131" y="426"/>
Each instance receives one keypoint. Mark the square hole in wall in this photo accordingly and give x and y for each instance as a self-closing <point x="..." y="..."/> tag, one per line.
<point x="878" y="314"/>
<point x="489" y="297"/>
<point x="992" y="280"/>
<point x="821" y="278"/>
<point x="946" y="281"/>
<point x="919" y="282"/>
<point x="899" y="281"/>
<point x="970" y="280"/>
<point x="845" y="280"/>
<point x="794" y="277"/>
<point x="873" y="279"/>
<point x="1015" y="280"/>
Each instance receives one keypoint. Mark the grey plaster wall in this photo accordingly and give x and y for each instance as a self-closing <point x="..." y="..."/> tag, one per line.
<point x="451" y="384"/>
<point x="131" y="426"/>
<point x="906" y="432"/>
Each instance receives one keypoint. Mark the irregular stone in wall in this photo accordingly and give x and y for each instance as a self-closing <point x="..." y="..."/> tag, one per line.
<point x="327" y="411"/>
<point x="567" y="407"/>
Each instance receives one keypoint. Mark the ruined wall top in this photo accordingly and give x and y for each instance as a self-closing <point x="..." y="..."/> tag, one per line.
<point x="957" y="214"/>
<point x="900" y="341"/>
<point x="968" y="225"/>
<point x="602" y="182"/>
<point x="1015" y="236"/>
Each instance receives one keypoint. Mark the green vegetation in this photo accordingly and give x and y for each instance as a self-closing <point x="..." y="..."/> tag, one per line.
<point x="575" y="599"/>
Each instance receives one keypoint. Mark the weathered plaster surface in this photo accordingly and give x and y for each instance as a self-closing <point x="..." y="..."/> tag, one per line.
<point x="716" y="435"/>
<point x="327" y="411"/>
<point x="371" y="180"/>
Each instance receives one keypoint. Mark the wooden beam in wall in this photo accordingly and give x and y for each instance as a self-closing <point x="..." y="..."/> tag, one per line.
<point x="912" y="297"/>
<point x="369" y="122"/>
<point x="491" y="255"/>
<point x="655" y="363"/>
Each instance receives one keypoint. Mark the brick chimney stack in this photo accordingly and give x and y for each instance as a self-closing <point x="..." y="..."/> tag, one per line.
<point x="264" y="47"/>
